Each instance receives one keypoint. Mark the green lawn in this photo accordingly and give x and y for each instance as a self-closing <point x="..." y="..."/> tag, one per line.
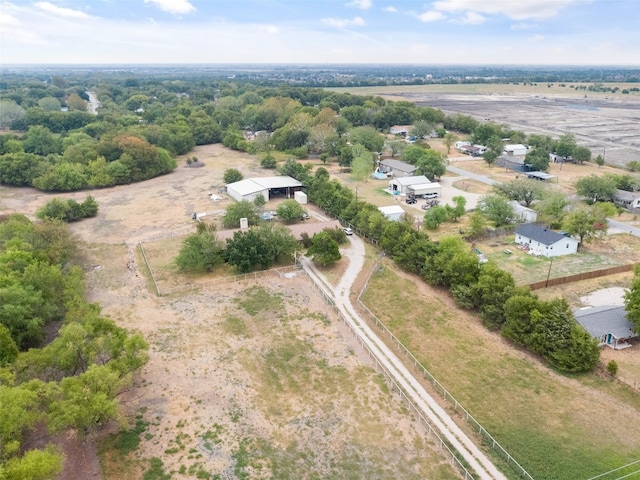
<point x="556" y="427"/>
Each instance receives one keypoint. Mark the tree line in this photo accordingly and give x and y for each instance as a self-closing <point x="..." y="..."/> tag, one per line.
<point x="70" y="382"/>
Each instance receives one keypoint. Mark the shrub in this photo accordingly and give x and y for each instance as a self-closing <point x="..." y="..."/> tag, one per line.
<point x="612" y="368"/>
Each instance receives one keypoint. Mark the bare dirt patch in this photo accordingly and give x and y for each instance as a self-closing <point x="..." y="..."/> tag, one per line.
<point x="250" y="378"/>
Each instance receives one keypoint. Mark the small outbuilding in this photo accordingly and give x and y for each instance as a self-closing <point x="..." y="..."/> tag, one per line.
<point x="300" y="197"/>
<point x="400" y="184"/>
<point x="392" y="212"/>
<point x="539" y="240"/>
<point x="542" y="176"/>
<point x="423" y="189"/>
<point x="515" y="150"/>
<point x="608" y="324"/>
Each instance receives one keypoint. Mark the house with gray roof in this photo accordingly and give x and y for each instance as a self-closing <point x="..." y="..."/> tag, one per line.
<point x="396" y="168"/>
<point x="539" y="240"/>
<point x="608" y="324"/>
<point x="628" y="200"/>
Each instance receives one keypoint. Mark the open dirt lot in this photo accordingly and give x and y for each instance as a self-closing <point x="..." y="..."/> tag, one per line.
<point x="608" y="124"/>
<point x="247" y="380"/>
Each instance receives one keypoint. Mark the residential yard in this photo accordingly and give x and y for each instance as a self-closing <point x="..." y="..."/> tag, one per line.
<point x="557" y="427"/>
<point x="611" y="251"/>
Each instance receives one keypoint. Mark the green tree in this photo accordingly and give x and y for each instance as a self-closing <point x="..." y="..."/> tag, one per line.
<point x="566" y="145"/>
<point x="49" y="104"/>
<point x="452" y="264"/>
<point x="612" y="368"/>
<point x="435" y="216"/>
<point x="496" y="209"/>
<point x="41" y="141"/>
<point x="521" y="190"/>
<point x="362" y="164"/>
<point x="396" y="147"/>
<point x="8" y="348"/>
<point x="538" y="158"/>
<point x="368" y="137"/>
<point x="459" y="209"/>
<point x="290" y="211"/>
<point x="324" y="249"/>
<point x="259" y="201"/>
<point x="632" y="299"/>
<point x="585" y="223"/>
<point x="10" y="112"/>
<point x="34" y="465"/>
<point x="238" y="210"/>
<point x="449" y="140"/>
<point x="554" y="207"/>
<point x="201" y="252"/>
<point x="232" y="175"/>
<point x="431" y="164"/>
<point x="581" y="154"/>
<point x="421" y="129"/>
<point x="597" y="188"/>
<point x="477" y="223"/>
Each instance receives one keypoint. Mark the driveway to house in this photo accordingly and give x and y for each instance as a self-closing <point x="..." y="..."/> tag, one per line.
<point x="436" y="415"/>
<point x="621" y="227"/>
<point x="472" y="176"/>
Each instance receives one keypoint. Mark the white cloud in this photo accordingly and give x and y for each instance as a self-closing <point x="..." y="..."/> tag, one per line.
<point x="472" y="18"/>
<point x="537" y="38"/>
<point x="523" y="26"/>
<point x="11" y="28"/>
<point x="175" y="7"/>
<point x="431" y="16"/>
<point x="390" y="9"/>
<point x="61" y="11"/>
<point x="361" y="4"/>
<point x="269" y="29"/>
<point x="518" y="10"/>
<point x="344" y="22"/>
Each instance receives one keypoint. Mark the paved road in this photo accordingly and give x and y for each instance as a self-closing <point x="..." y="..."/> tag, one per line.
<point x="93" y="103"/>
<point x="437" y="416"/>
<point x="616" y="227"/>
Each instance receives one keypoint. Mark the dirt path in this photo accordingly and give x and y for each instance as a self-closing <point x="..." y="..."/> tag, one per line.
<point x="437" y="416"/>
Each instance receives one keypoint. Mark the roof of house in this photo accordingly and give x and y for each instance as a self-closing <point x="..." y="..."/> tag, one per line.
<point x="625" y="195"/>
<point x="541" y="175"/>
<point x="401" y="128"/>
<point x="540" y="234"/>
<point x="515" y="146"/>
<point x="406" y="181"/>
<point x="516" y="160"/>
<point x="398" y="165"/>
<point x="599" y="321"/>
<point x="520" y="208"/>
<point x="391" y="210"/>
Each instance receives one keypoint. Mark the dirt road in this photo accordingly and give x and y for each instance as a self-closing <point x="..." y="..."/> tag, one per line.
<point x="437" y="417"/>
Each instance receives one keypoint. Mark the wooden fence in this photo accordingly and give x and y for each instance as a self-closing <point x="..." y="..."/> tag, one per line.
<point x="551" y="282"/>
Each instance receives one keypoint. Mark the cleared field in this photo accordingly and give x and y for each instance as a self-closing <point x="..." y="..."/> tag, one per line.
<point x="557" y="427"/>
<point x="606" y="123"/>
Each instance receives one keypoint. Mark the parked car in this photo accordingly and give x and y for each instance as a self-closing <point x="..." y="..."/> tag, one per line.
<point x="411" y="201"/>
<point x="304" y="216"/>
<point x="347" y="231"/>
<point x="431" y="195"/>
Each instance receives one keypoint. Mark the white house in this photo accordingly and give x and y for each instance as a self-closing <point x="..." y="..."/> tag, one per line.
<point x="400" y="184"/>
<point x="628" y="200"/>
<point x="400" y="130"/>
<point x="392" y="212"/>
<point x="541" y="241"/>
<point x="268" y="187"/>
<point x="523" y="214"/>
<point x="459" y="144"/>
<point x="608" y="324"/>
<point x="515" y="150"/>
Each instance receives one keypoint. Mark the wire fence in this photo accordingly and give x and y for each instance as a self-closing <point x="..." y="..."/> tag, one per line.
<point x="441" y="390"/>
<point x="442" y="444"/>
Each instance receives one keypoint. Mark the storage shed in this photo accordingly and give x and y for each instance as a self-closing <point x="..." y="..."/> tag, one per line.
<point x="392" y="212"/>
<point x="516" y="150"/>
<point x="300" y="197"/>
<point x="268" y="187"/>
<point x="401" y="184"/>
<point x="523" y="214"/>
<point x="422" y="189"/>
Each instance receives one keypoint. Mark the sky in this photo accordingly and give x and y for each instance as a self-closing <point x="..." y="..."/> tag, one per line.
<point x="470" y="32"/>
